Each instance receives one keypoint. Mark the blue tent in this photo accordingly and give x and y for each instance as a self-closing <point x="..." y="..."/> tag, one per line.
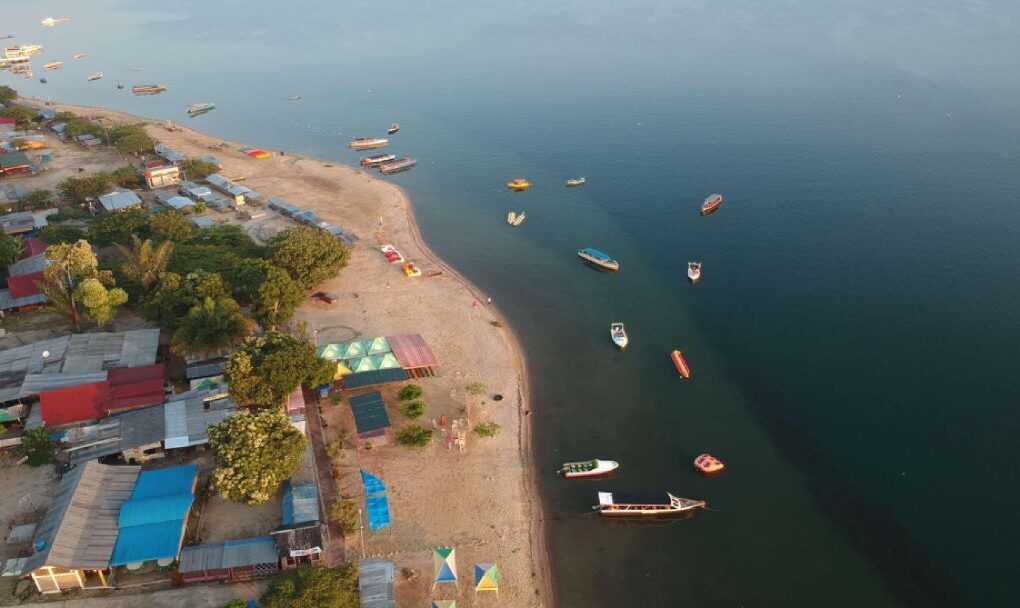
<point x="376" y="503"/>
<point x="373" y="485"/>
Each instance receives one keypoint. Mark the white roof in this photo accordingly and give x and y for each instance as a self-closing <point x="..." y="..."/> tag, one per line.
<point x="119" y="200"/>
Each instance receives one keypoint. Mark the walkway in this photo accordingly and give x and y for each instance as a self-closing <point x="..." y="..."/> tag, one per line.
<point x="333" y="552"/>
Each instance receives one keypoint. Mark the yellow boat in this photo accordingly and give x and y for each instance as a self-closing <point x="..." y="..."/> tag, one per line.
<point x="518" y="185"/>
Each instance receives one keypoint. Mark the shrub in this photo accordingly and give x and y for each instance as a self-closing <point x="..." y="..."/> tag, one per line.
<point x="476" y="389"/>
<point x="312" y="585"/>
<point x="414" y="436"/>
<point x="66" y="213"/>
<point x="38" y="198"/>
<point x="410" y="392"/>
<point x="37" y="446"/>
<point x="486" y="429"/>
<point x="413" y="410"/>
<point x="54" y="234"/>
<point x="345" y="514"/>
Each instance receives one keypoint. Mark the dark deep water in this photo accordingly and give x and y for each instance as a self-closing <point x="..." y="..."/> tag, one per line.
<point x="853" y="339"/>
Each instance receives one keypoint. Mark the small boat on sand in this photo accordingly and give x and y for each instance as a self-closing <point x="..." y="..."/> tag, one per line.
<point x="393" y="129"/>
<point x="577" y="181"/>
<point x="367" y="143"/>
<point x="598" y="258"/>
<point x="96" y="76"/>
<point x="619" y="335"/>
<point x="519" y="185"/>
<point x="392" y="254"/>
<point x="694" y="271"/>
<point x="711" y="203"/>
<point x="680" y="363"/>
<point x="708" y="464"/>
<point x="375" y="161"/>
<point x="588" y="468"/>
<point x="625" y="504"/>
<point x="411" y="270"/>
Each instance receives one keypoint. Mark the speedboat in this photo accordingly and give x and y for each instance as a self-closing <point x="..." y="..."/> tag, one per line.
<point x="79" y="55"/>
<point x="711" y="203"/>
<point x="393" y="129"/>
<point x="294" y="98"/>
<point x="520" y="219"/>
<point x="201" y="108"/>
<point x="96" y="76"/>
<point x="511" y="217"/>
<point x="598" y="258"/>
<point x="681" y="364"/>
<point x="577" y="181"/>
<point x="519" y="185"/>
<point x="694" y="271"/>
<point x="619" y="335"/>
<point x="708" y="464"/>
<point x="588" y="468"/>
<point x="392" y="254"/>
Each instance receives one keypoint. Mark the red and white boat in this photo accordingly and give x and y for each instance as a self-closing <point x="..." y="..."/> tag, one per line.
<point x="588" y="468"/>
<point x="392" y="254"/>
<point x="711" y="203"/>
<point x="694" y="271"/>
<point x="708" y="464"/>
<point x="375" y="161"/>
<point x="681" y="364"/>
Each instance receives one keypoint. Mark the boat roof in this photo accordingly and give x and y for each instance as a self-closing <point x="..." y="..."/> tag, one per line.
<point x="634" y="498"/>
<point x="596" y="253"/>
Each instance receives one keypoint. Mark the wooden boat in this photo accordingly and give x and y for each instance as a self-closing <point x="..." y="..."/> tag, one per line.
<point x="42" y="80"/>
<point x="577" y="181"/>
<point x="519" y="185"/>
<point x="511" y="217"/>
<point x="80" y="55"/>
<point x="50" y="21"/>
<point x="393" y="129"/>
<point x="397" y="166"/>
<point x="681" y="364"/>
<point x="53" y="65"/>
<point x="96" y="76"/>
<point x="708" y="464"/>
<point x="623" y="504"/>
<point x="294" y="98"/>
<point x="588" y="468"/>
<point x="392" y="254"/>
<point x="148" y="89"/>
<point x="367" y="143"/>
<point x="711" y="203"/>
<point x="120" y="86"/>
<point x="694" y="271"/>
<point x="619" y="335"/>
<point x="411" y="270"/>
<point x="598" y="258"/>
<point x="519" y="220"/>
<point x="374" y="161"/>
<point x="201" y="108"/>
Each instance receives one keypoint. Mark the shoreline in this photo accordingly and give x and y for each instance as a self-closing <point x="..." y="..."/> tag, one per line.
<point x="531" y="508"/>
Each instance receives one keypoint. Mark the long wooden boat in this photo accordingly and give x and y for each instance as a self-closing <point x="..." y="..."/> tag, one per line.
<point x="598" y="258"/>
<point x="681" y="364"/>
<point x="53" y="65"/>
<point x="711" y="203"/>
<point x="397" y="166"/>
<point x="708" y="464"/>
<point x="694" y="271"/>
<point x="588" y="468"/>
<point x="577" y="181"/>
<point x="148" y="89"/>
<point x="619" y="335"/>
<point x="624" y="504"/>
<point x="374" y="161"/>
<point x="96" y="76"/>
<point x="367" y="143"/>
<point x="80" y="55"/>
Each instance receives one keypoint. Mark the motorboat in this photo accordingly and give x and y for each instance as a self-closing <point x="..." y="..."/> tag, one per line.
<point x="397" y="166"/>
<point x="374" y="161"/>
<point x="694" y="271"/>
<point x="519" y="219"/>
<point x="598" y="258"/>
<point x="588" y="468"/>
<point x="96" y="76"/>
<point x="577" y="181"/>
<point x="680" y="363"/>
<point x="148" y="89"/>
<point x="392" y="255"/>
<point x="711" y="203"/>
<point x="411" y="269"/>
<point x="393" y="129"/>
<point x="519" y="185"/>
<point x="53" y="65"/>
<point x="619" y="335"/>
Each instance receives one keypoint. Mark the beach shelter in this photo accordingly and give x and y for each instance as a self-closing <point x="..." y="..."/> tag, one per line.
<point x="377" y="346"/>
<point x="445" y="561"/>
<point x="486" y="578"/>
<point x="350" y="350"/>
<point x="341" y="371"/>
<point x="444" y="604"/>
<point x="362" y="364"/>
<point x="330" y="351"/>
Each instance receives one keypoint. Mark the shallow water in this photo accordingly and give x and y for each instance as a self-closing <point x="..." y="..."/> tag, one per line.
<point x="852" y="337"/>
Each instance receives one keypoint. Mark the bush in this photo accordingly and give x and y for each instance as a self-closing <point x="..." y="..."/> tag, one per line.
<point x="37" y="198"/>
<point x="413" y="410"/>
<point x="345" y="514"/>
<point x="312" y="586"/>
<point x="409" y="392"/>
<point x="127" y="177"/>
<point x="38" y="447"/>
<point x="66" y="213"/>
<point x="476" y="389"/>
<point x="198" y="169"/>
<point x="414" y="436"/>
<point x="486" y="429"/>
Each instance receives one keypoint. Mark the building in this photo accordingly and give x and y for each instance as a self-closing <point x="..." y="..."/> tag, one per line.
<point x="169" y="154"/>
<point x="124" y="389"/>
<point x="153" y="519"/>
<point x="233" y="560"/>
<point x="180" y="203"/>
<point x="161" y="176"/>
<point x="17" y="223"/>
<point x="202" y="221"/>
<point x="375" y="584"/>
<point x="15" y="163"/>
<point x="381" y="360"/>
<point x="195" y="191"/>
<point x="119" y="201"/>
<point x="236" y="192"/>
<point x="371" y="421"/>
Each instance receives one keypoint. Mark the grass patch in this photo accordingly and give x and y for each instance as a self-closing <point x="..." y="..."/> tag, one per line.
<point x="476" y="389"/>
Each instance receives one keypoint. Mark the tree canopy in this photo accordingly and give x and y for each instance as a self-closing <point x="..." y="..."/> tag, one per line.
<point x="37" y="198"/>
<point x="22" y="115"/>
<point x="79" y="189"/>
<point x="77" y="287"/>
<point x="197" y="169"/>
<point x="210" y="327"/>
<point x="176" y="295"/>
<point x="131" y="139"/>
<point x="312" y="586"/>
<point x="118" y="227"/>
<point x="7" y="94"/>
<point x="171" y="225"/>
<point x="269" y="367"/>
<point x="127" y="177"/>
<point x="55" y="234"/>
<point x="310" y="255"/>
<point x="10" y="250"/>
<point x="255" y="452"/>
<point x="277" y="299"/>
<point x="145" y="262"/>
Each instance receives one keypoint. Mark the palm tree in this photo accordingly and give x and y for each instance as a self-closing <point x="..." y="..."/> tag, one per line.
<point x="210" y="327"/>
<point x="145" y="262"/>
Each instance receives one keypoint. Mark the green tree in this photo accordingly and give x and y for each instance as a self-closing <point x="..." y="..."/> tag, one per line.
<point x="131" y="139"/>
<point x="7" y="94"/>
<point x="127" y="177"/>
<point x="145" y="262"/>
<point x="210" y="327"/>
<point x="80" y="189"/>
<point x="118" y="227"/>
<point x="269" y="367"/>
<point x="415" y="436"/>
<point x="176" y="295"/>
<point x="233" y="238"/>
<point x="197" y="169"/>
<point x="10" y="250"/>
<point x="78" y="126"/>
<point x="410" y="392"/>
<point x="22" y="116"/>
<point x="36" y="199"/>
<point x="255" y="452"/>
<point x="345" y="514"/>
<point x="54" y="234"/>
<point x="278" y="297"/>
<point x="312" y="586"/>
<point x="64" y="116"/>
<point x="77" y="287"/>
<point x="38" y="447"/>
<point x="190" y="257"/>
<point x="171" y="225"/>
<point x="100" y="303"/>
<point x="413" y="409"/>
<point x="310" y="255"/>
<point x="247" y="278"/>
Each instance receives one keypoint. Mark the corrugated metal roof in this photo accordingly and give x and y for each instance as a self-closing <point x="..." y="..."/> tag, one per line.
<point x="115" y="201"/>
<point x="152" y="520"/>
<point x="205" y="369"/>
<point x="300" y="503"/>
<point x="381" y="376"/>
<point x="369" y="413"/>
<point x="412" y="351"/>
<point x="250" y="551"/>
<point x="201" y="557"/>
<point x="38" y="383"/>
<point x="7" y="302"/>
<point x="29" y="265"/>
<point x="375" y="584"/>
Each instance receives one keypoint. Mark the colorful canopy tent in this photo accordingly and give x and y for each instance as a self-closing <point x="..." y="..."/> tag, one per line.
<point x="445" y="562"/>
<point x="341" y="371"/>
<point x="444" y="604"/>
<point x="377" y="504"/>
<point x="486" y="578"/>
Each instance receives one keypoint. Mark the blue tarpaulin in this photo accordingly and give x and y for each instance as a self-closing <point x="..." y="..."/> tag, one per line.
<point x="376" y="503"/>
<point x="300" y="503"/>
<point x="152" y="521"/>
<point x="373" y="485"/>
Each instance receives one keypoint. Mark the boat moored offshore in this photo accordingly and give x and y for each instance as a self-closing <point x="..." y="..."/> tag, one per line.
<point x="201" y="108"/>
<point x="518" y="185"/>
<point x="708" y="464"/>
<point x="577" y="181"/>
<point x="367" y="143"/>
<point x="588" y="468"/>
<point x="148" y="89"/>
<point x="711" y="203"/>
<point x="53" y="65"/>
<point x="619" y="335"/>
<point x="96" y="76"/>
<point x="625" y="504"/>
<point x="598" y="258"/>
<point x="397" y="166"/>
<point x="694" y="271"/>
<point x="680" y="363"/>
<point x="80" y="55"/>
<point x="374" y="161"/>
<point x="393" y="129"/>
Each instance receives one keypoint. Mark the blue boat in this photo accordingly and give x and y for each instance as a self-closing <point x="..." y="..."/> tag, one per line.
<point x="598" y="258"/>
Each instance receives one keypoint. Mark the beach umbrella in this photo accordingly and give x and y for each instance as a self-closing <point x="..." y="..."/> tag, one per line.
<point x="378" y="346"/>
<point x="486" y="578"/>
<point x="445" y="561"/>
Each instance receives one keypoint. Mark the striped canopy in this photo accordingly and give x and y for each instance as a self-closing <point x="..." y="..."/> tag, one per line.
<point x="486" y="578"/>
<point x="445" y="561"/>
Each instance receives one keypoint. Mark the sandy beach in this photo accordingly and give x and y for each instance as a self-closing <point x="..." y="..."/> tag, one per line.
<point x="480" y="500"/>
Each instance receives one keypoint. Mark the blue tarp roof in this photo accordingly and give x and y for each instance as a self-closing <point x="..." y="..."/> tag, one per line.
<point x="369" y="412"/>
<point x="597" y="253"/>
<point x="379" y="376"/>
<point x="152" y="521"/>
<point x="300" y="503"/>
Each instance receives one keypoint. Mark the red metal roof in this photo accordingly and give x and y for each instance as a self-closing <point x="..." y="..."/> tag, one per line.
<point x="132" y="387"/>
<point x="7" y="121"/>
<point x="73" y="404"/>
<point x="24" y="285"/>
<point x="33" y="246"/>
<point x="412" y="351"/>
<point x="127" y="375"/>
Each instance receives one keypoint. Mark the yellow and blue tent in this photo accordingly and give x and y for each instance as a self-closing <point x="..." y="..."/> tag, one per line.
<point x="445" y="561"/>
<point x="486" y="578"/>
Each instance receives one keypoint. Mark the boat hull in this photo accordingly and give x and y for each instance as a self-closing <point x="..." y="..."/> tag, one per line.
<point x="711" y="204"/>
<point x="645" y="513"/>
<point x="681" y="364"/>
<point x="590" y="475"/>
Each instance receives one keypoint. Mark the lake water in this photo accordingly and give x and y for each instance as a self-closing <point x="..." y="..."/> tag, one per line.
<point x="853" y="339"/>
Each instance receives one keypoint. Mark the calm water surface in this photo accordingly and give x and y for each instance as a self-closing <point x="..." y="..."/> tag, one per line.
<point x="854" y="337"/>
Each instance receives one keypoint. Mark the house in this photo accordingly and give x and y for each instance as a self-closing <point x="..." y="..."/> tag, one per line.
<point x="161" y="176"/>
<point x="233" y="560"/>
<point x="169" y="154"/>
<point x="375" y="584"/>
<point x="236" y="192"/>
<point x="15" y="163"/>
<point x="202" y="221"/>
<point x="23" y="292"/>
<point x="153" y="519"/>
<point x="119" y="201"/>
<point x="17" y="223"/>
<point x="124" y="389"/>
<point x="195" y="191"/>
